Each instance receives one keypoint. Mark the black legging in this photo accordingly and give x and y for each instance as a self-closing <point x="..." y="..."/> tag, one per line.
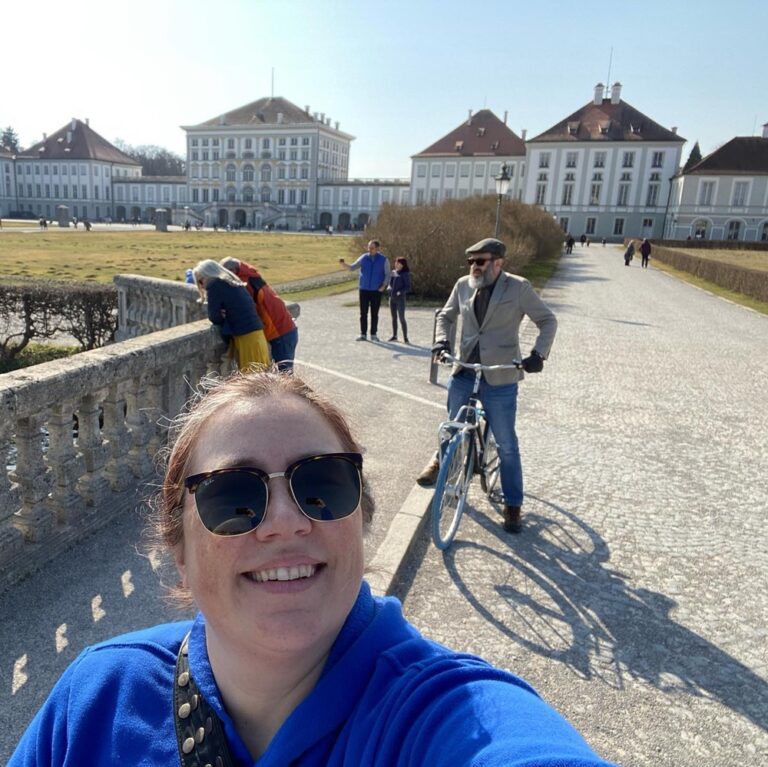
<point x="397" y="308"/>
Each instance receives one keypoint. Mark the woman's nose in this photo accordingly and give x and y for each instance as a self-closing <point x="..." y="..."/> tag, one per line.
<point x="283" y="518"/>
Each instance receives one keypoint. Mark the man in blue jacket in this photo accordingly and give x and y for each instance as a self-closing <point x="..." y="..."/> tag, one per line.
<point x="374" y="277"/>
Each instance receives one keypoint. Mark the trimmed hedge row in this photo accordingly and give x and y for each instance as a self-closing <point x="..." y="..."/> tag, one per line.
<point x="750" y="282"/>
<point x="35" y="310"/>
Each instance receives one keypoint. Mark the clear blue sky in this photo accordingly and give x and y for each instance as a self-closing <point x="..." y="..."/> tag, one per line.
<point x="397" y="74"/>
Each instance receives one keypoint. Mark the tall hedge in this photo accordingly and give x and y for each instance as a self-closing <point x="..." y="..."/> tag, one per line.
<point x="433" y="238"/>
<point x="36" y="310"/>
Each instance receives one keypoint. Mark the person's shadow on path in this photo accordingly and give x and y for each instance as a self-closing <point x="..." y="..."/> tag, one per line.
<point x="612" y="629"/>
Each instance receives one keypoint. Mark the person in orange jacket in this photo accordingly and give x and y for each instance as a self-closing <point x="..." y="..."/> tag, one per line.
<point x="279" y="328"/>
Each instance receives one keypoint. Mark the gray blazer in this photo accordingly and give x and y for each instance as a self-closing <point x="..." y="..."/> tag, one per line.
<point x="498" y="336"/>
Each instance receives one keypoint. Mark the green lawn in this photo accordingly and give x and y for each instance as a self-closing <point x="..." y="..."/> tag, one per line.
<point x="99" y="255"/>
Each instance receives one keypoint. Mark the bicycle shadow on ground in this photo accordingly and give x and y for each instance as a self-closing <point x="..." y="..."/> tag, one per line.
<point x="567" y="604"/>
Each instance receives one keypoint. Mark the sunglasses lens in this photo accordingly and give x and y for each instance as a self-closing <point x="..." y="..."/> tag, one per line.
<point x="478" y="261"/>
<point x="327" y="488"/>
<point x="232" y="502"/>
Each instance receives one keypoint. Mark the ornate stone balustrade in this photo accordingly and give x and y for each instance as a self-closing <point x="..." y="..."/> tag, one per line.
<point x="147" y="304"/>
<point x="58" y="483"/>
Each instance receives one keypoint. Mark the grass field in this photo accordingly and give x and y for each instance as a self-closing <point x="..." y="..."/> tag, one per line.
<point x="99" y="255"/>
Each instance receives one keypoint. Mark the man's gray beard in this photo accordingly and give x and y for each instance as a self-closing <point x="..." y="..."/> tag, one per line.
<point x="483" y="281"/>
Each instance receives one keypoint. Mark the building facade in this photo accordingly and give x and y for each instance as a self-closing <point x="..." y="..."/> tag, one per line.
<point x="466" y="161"/>
<point x="724" y="196"/>
<point x="604" y="170"/>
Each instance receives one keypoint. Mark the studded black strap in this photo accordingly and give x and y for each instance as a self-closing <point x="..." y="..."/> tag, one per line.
<point x="199" y="733"/>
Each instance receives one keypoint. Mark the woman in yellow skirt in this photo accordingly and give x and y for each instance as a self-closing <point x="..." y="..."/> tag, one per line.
<point x="231" y="308"/>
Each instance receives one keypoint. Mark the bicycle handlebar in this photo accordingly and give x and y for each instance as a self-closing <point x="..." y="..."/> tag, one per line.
<point x="448" y="359"/>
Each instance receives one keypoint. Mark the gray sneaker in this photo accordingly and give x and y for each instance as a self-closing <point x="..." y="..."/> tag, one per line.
<point x="361" y="337"/>
<point x="374" y="338"/>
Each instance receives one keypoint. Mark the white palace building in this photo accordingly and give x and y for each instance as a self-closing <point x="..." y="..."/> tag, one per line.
<point x="607" y="170"/>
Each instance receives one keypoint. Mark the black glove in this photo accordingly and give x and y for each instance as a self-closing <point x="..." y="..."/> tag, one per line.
<point x="440" y="348"/>
<point x="534" y="363"/>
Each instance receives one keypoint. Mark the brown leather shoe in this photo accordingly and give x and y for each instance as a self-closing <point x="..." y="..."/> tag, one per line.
<point x="428" y="476"/>
<point x="512" y="523"/>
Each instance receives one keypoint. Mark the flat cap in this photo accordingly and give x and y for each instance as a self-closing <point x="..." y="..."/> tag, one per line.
<point x="488" y="245"/>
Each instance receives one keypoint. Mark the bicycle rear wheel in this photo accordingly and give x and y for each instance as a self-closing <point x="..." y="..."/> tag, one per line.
<point x="451" y="488"/>
<point x="491" y="467"/>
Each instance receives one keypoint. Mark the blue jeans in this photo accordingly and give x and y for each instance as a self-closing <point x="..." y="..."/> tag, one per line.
<point x="500" y="405"/>
<point x="284" y="350"/>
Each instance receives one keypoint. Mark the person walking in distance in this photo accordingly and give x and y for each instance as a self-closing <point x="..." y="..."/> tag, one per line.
<point x="492" y="304"/>
<point x="399" y="285"/>
<point x="279" y="328"/>
<point x="645" y="252"/>
<point x="374" y="278"/>
<point x="629" y="253"/>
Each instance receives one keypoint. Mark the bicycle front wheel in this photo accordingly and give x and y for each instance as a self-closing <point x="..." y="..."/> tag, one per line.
<point x="451" y="488"/>
<point x="491" y="467"/>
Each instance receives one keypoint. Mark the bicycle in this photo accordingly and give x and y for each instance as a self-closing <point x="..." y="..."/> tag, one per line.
<point x="471" y="449"/>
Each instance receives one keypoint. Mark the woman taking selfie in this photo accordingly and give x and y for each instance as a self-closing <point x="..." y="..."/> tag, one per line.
<point x="291" y="660"/>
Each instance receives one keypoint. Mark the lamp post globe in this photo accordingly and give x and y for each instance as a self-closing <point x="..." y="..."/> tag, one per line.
<point x="502" y="187"/>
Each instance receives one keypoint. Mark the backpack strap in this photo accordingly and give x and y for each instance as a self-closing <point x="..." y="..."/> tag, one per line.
<point x="199" y="732"/>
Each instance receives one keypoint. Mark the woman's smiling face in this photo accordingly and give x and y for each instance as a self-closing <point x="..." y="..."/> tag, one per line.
<point x="234" y="579"/>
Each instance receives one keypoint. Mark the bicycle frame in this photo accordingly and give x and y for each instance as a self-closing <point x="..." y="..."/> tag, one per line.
<point x="463" y="454"/>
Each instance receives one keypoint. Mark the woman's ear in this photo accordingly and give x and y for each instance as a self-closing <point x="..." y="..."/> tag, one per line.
<point x="180" y="561"/>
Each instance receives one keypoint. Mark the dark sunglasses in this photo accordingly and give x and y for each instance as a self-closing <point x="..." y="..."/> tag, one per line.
<point x="478" y="261"/>
<point x="234" y="501"/>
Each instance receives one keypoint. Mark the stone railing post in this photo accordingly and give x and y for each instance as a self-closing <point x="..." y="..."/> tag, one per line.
<point x="11" y="539"/>
<point x="116" y="436"/>
<point x="93" y="485"/>
<point x="65" y="464"/>
<point x="138" y="458"/>
<point x="34" y="519"/>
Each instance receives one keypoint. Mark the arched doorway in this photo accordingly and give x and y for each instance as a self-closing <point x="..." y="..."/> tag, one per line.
<point x="362" y="220"/>
<point x="764" y="232"/>
<point x="701" y="229"/>
<point x="240" y="217"/>
<point x="344" y="221"/>
<point x="135" y="213"/>
<point x="120" y="213"/>
<point x="223" y="217"/>
<point x="326" y="219"/>
<point x="734" y="230"/>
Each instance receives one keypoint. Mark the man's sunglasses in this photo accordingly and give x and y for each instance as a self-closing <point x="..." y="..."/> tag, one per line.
<point x="479" y="261"/>
<point x="234" y="501"/>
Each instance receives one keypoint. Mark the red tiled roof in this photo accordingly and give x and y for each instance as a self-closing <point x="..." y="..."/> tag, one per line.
<point x="83" y="144"/>
<point x="607" y="122"/>
<point x="261" y="112"/>
<point x="743" y="154"/>
<point x="482" y="134"/>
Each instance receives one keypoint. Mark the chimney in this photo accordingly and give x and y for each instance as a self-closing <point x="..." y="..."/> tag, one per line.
<point x="45" y="137"/>
<point x="328" y="121"/>
<point x="523" y="133"/>
<point x="279" y="118"/>
<point x="599" y="90"/>
<point x="73" y="124"/>
<point x="505" y="117"/>
<point x="221" y="120"/>
<point x="469" y="118"/>
<point x="69" y="137"/>
<point x="336" y="124"/>
<point x="616" y="93"/>
<point x="314" y="116"/>
<point x="306" y="108"/>
<point x="87" y="121"/>
<point x="674" y="129"/>
<point x="765" y="130"/>
<point x="322" y="117"/>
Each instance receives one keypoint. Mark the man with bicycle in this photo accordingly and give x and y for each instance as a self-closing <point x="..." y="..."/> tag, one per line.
<point x="492" y="304"/>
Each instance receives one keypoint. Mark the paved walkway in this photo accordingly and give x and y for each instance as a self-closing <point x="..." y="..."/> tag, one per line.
<point x="635" y="599"/>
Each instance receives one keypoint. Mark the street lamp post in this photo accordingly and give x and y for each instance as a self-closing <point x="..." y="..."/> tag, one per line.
<point x="502" y="187"/>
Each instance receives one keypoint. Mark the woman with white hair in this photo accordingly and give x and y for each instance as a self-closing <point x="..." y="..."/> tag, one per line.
<point x="231" y="308"/>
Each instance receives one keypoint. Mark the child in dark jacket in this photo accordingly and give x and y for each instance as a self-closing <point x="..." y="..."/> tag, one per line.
<point x="399" y="285"/>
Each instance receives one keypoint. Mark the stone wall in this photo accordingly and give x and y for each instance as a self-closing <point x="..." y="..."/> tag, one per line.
<point x="79" y="436"/>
